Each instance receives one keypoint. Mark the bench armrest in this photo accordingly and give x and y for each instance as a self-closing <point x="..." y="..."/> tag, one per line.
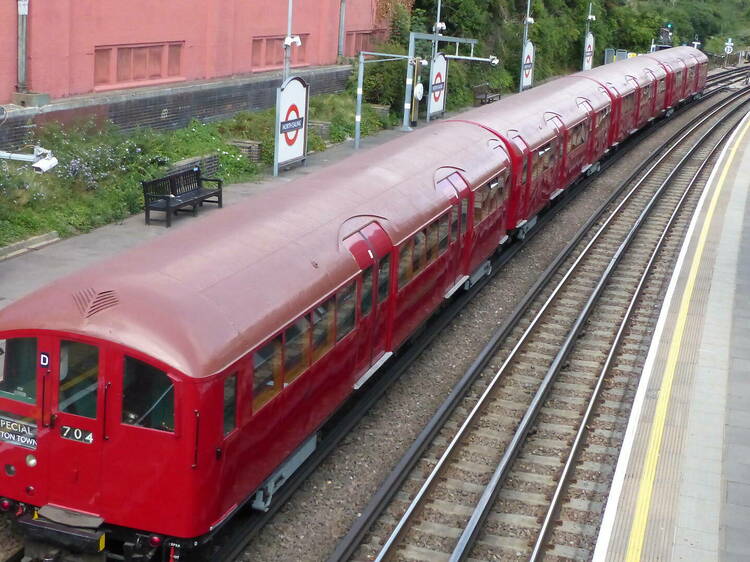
<point x="215" y="180"/>
<point x="152" y="197"/>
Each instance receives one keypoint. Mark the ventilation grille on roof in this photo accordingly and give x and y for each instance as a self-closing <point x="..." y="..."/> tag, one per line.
<point x="90" y="302"/>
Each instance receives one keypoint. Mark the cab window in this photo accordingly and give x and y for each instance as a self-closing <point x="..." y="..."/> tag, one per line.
<point x="79" y="376"/>
<point x="147" y="396"/>
<point x="18" y="369"/>
<point x="266" y="370"/>
<point x="230" y="403"/>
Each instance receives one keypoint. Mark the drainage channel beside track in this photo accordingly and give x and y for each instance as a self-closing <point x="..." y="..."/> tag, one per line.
<point x="492" y="476"/>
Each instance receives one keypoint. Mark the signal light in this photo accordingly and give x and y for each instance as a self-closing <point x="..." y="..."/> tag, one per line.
<point x="5" y="504"/>
<point x="154" y="541"/>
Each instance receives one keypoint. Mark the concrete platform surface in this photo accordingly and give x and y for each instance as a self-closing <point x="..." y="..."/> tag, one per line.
<point x="681" y="489"/>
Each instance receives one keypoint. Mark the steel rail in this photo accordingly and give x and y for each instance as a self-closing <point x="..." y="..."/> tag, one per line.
<point x="614" y="349"/>
<point x="481" y="511"/>
<point x="686" y="131"/>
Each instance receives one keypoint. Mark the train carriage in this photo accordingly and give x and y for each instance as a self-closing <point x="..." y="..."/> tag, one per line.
<point x="147" y="398"/>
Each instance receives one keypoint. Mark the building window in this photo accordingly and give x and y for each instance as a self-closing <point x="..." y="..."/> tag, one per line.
<point x="123" y="64"/>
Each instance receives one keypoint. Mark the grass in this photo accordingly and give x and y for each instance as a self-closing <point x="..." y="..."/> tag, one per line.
<point x="97" y="180"/>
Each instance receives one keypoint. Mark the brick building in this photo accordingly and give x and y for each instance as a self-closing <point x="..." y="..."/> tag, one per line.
<point x="84" y="46"/>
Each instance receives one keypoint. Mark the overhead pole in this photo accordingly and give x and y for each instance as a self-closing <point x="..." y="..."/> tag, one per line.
<point x="525" y="39"/>
<point x="436" y="30"/>
<point x="342" y="27"/>
<point x="287" y="41"/>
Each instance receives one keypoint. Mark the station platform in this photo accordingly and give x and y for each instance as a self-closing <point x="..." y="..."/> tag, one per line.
<point x="681" y="489"/>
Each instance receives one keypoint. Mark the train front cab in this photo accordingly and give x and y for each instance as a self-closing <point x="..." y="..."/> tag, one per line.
<point x="91" y="432"/>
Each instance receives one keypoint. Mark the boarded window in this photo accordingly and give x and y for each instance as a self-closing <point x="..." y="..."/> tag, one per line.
<point x="346" y="310"/>
<point x="384" y="279"/>
<point x="136" y="63"/>
<point x="102" y="70"/>
<point x="366" y="305"/>
<point x="266" y="372"/>
<point x="79" y="378"/>
<point x="296" y="349"/>
<point x="323" y="320"/>
<point x="405" y="263"/>
<point x="257" y="53"/>
<point x="18" y="369"/>
<point x="147" y="396"/>
<point x="628" y="104"/>
<point x="230" y="403"/>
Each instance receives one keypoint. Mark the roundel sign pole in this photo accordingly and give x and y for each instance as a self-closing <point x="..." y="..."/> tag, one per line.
<point x="292" y="101"/>
<point x="438" y="86"/>
<point x="588" y="52"/>
<point x="527" y="68"/>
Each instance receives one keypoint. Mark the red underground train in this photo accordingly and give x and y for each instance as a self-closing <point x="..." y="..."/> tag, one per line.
<point x="147" y="398"/>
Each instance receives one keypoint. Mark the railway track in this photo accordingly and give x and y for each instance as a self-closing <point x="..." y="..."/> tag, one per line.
<point x="726" y="78"/>
<point x="521" y="467"/>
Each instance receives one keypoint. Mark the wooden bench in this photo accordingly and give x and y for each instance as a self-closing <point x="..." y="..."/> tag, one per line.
<point x="172" y="193"/>
<point x="484" y="94"/>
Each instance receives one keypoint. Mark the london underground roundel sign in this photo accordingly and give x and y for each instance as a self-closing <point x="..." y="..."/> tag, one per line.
<point x="588" y="52"/>
<point x="291" y="121"/>
<point x="527" y="71"/>
<point x="438" y="85"/>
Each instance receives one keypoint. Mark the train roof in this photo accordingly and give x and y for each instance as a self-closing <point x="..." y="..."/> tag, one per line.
<point x="200" y="297"/>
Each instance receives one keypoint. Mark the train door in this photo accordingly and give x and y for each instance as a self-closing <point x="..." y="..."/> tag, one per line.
<point x="523" y="199"/>
<point x="589" y="131"/>
<point x="371" y="248"/>
<point x="73" y="390"/>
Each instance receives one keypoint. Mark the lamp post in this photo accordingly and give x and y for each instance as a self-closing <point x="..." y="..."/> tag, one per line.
<point x="342" y="27"/>
<point x="288" y="40"/>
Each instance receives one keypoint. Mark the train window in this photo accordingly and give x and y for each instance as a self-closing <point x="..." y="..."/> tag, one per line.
<point x="628" y="104"/>
<point x="384" y="279"/>
<point x="418" y="256"/>
<point x="578" y="135"/>
<point x="432" y="241"/>
<point x="266" y="368"/>
<point x="366" y="305"/>
<point x="230" y="403"/>
<point x="480" y="195"/>
<point x="79" y="377"/>
<point x="322" y="320"/>
<point x="661" y="86"/>
<point x="346" y="310"/>
<point x="454" y="224"/>
<point x="405" y="263"/>
<point x="464" y="215"/>
<point x="147" y="396"/>
<point x="525" y="171"/>
<point x="296" y="349"/>
<point x="602" y="120"/>
<point x="18" y="369"/>
<point x="444" y="231"/>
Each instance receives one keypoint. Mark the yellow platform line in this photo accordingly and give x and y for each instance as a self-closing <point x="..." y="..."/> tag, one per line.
<point x="645" y="491"/>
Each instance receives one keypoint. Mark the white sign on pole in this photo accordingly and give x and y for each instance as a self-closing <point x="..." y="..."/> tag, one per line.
<point x="23" y="7"/>
<point x="728" y="49"/>
<point x="588" y="52"/>
<point x="527" y="72"/>
<point x="438" y="85"/>
<point x="291" y="122"/>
